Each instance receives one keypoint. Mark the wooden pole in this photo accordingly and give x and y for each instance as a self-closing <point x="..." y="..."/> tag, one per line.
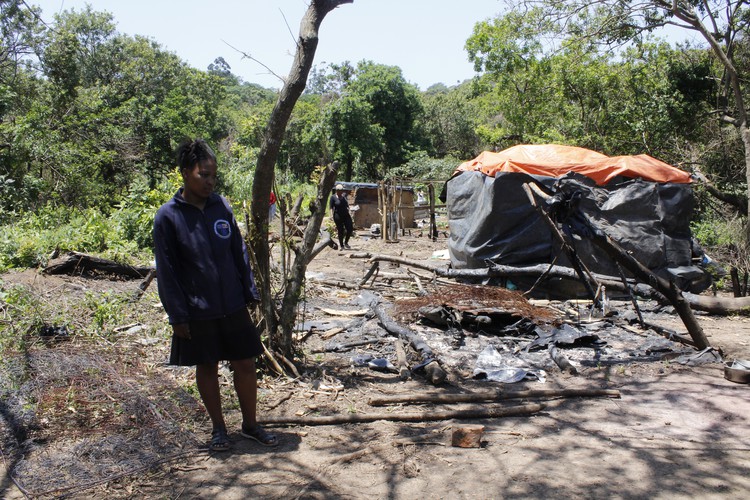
<point x="426" y="416"/>
<point x="433" y="223"/>
<point x="489" y="396"/>
<point x="382" y="201"/>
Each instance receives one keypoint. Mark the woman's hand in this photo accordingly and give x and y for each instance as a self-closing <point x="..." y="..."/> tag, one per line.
<point x="182" y="331"/>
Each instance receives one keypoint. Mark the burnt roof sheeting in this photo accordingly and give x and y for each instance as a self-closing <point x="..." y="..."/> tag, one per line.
<point x="491" y="219"/>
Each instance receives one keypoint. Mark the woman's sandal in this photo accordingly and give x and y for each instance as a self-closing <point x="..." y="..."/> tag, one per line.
<point x="260" y="435"/>
<point x="219" y="440"/>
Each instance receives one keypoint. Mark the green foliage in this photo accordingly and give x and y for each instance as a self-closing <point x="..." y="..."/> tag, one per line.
<point x="423" y="167"/>
<point x="353" y="135"/>
<point x="123" y="234"/>
<point x="106" y="311"/>
<point x="134" y="218"/>
<point x="451" y="121"/>
<point x="395" y="106"/>
<point x="716" y="233"/>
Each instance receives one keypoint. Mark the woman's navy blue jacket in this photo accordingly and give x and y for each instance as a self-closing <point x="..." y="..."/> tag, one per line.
<point x="202" y="266"/>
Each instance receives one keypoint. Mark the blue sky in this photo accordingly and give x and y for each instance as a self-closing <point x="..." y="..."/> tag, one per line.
<point x="425" y="38"/>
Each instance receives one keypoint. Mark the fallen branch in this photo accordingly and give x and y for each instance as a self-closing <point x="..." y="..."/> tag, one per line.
<point x="373" y="268"/>
<point x="427" y="416"/>
<point x="490" y="396"/>
<point x="435" y="373"/>
<point x="561" y="360"/>
<point x="335" y="312"/>
<point x="78" y="263"/>
<point x="145" y="283"/>
<point x="720" y="306"/>
<point x="331" y="332"/>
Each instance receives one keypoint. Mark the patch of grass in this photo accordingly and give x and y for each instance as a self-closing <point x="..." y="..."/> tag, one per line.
<point x="107" y="311"/>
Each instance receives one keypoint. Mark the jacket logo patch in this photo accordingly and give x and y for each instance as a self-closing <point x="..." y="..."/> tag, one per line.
<point x="222" y="229"/>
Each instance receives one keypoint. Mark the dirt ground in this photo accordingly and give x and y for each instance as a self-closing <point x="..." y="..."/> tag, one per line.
<point x="677" y="431"/>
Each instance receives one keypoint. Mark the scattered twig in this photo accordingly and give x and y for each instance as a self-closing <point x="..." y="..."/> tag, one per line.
<point x="275" y="364"/>
<point x="337" y="312"/>
<point x="347" y="345"/>
<point x="331" y="333"/>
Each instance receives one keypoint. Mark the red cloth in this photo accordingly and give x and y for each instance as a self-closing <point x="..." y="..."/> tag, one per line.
<point x="273" y="198"/>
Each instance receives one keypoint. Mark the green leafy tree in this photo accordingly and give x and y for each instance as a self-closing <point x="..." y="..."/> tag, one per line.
<point x="19" y="38"/>
<point x="641" y="99"/>
<point x="721" y="24"/>
<point x="450" y="121"/>
<point x="304" y="141"/>
<point x="354" y="136"/>
<point x="395" y="106"/>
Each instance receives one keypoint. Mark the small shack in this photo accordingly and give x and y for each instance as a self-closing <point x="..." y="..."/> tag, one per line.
<point x="642" y="203"/>
<point x="365" y="205"/>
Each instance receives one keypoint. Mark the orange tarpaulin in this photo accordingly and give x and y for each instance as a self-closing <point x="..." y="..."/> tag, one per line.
<point x="555" y="161"/>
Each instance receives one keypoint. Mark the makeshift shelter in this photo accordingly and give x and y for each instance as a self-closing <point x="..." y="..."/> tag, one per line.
<point x="642" y="203"/>
<point x="365" y="196"/>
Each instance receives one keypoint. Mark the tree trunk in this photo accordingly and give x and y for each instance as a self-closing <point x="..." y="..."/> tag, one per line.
<point x="745" y="134"/>
<point x="303" y="254"/>
<point x="263" y="180"/>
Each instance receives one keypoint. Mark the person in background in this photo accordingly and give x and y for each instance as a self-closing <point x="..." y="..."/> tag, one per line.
<point x="206" y="284"/>
<point x="341" y="216"/>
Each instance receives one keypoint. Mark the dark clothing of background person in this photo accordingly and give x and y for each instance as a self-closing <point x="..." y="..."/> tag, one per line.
<point x="342" y="218"/>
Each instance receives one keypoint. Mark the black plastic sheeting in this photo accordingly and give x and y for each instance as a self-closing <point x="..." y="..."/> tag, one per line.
<point x="491" y="220"/>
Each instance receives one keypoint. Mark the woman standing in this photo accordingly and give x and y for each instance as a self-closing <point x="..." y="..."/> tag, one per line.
<point x="341" y="216"/>
<point x="205" y="283"/>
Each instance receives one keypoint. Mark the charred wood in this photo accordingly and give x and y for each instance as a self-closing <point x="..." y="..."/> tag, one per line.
<point x="561" y="360"/>
<point x="435" y="373"/>
<point x="79" y="263"/>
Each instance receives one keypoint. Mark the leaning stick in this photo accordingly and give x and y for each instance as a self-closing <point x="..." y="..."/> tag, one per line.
<point x="667" y="288"/>
<point x="374" y="267"/>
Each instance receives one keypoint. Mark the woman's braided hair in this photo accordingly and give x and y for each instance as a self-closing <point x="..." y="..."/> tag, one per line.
<point x="192" y="152"/>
